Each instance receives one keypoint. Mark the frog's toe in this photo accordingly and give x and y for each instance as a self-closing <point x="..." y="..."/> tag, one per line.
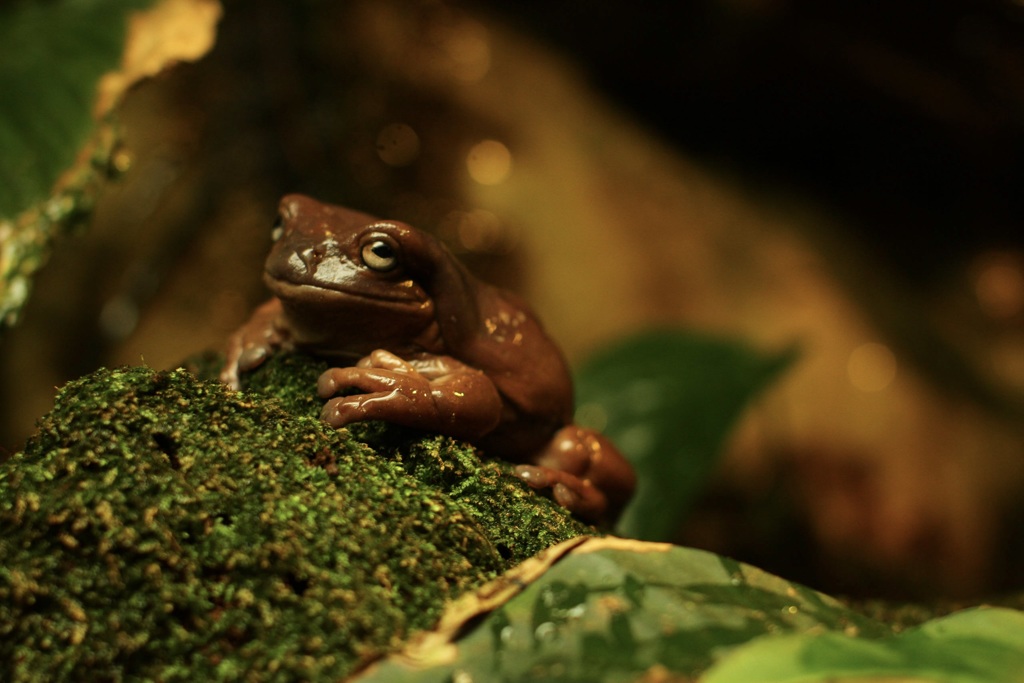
<point x="342" y="411"/>
<point x="383" y="359"/>
<point x="326" y="385"/>
<point x="251" y="356"/>
<point x="583" y="500"/>
<point x="536" y="477"/>
<point x="229" y="376"/>
<point x="332" y="414"/>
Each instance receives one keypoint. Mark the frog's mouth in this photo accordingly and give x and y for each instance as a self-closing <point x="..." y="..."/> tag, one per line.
<point x="404" y="292"/>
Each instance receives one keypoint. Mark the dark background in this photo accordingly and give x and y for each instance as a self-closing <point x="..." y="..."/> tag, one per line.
<point x="906" y="116"/>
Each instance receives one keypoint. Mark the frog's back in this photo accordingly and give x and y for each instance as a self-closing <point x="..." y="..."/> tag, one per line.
<point x="520" y="358"/>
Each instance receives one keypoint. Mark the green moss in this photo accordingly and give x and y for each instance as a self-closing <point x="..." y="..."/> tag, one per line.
<point x="159" y="526"/>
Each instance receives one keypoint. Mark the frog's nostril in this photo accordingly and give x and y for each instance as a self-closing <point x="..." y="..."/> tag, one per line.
<point x="311" y="257"/>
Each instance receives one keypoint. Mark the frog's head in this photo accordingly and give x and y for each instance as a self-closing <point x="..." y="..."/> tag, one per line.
<point x="351" y="283"/>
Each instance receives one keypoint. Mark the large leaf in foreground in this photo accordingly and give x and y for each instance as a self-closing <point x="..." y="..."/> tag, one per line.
<point x="612" y="609"/>
<point x="668" y="400"/>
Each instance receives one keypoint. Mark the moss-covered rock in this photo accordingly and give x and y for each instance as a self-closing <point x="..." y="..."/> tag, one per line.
<point x="163" y="527"/>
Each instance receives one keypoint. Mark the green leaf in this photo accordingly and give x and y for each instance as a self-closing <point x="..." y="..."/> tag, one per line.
<point x="613" y="609"/>
<point x="668" y="400"/>
<point x="974" y="646"/>
<point x="52" y="55"/>
<point x="64" y="64"/>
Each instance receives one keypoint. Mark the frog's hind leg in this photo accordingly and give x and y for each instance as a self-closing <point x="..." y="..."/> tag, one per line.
<point x="585" y="472"/>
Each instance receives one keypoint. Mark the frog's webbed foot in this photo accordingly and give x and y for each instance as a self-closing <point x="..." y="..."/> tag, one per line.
<point x="585" y="472"/>
<point x="253" y="343"/>
<point x="576" y="495"/>
<point x="435" y="393"/>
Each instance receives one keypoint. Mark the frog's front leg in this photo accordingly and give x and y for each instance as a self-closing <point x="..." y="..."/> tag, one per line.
<point x="585" y="472"/>
<point x="250" y="345"/>
<point x="435" y="393"/>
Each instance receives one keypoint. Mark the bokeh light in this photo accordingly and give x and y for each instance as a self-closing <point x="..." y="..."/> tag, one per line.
<point x="999" y="286"/>
<point x="871" y="367"/>
<point x="489" y="162"/>
<point x="478" y="231"/>
<point x="398" y="144"/>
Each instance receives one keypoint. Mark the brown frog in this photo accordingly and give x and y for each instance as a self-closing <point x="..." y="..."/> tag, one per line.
<point x="425" y="345"/>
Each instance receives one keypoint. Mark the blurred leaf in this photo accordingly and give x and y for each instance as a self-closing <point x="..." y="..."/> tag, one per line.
<point x="53" y="55"/>
<point x="64" y="65"/>
<point x="612" y="609"/>
<point x="668" y="400"/>
<point x="974" y="646"/>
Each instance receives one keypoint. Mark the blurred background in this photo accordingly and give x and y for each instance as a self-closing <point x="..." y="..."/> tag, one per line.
<point x="840" y="177"/>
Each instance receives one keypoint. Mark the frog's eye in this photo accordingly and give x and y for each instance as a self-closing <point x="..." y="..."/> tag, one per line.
<point x="277" y="232"/>
<point x="379" y="255"/>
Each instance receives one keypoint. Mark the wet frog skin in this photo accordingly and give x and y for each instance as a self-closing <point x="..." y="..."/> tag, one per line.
<point x="421" y="342"/>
